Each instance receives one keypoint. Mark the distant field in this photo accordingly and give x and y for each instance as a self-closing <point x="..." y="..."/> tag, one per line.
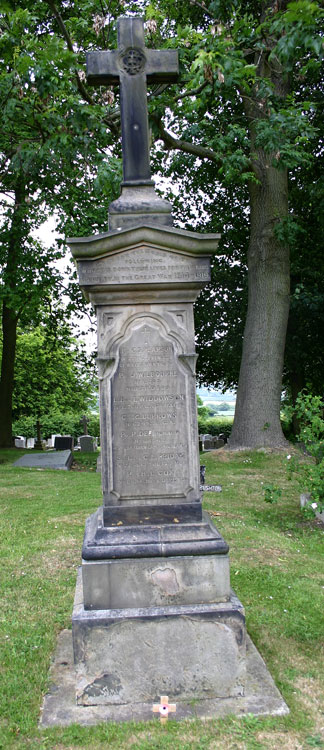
<point x="221" y="417"/>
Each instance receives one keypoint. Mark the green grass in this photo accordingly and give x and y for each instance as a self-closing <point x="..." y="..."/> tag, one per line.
<point x="276" y="569"/>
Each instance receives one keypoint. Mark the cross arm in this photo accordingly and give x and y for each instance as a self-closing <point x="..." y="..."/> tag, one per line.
<point x="103" y="67"/>
<point x="162" y="66"/>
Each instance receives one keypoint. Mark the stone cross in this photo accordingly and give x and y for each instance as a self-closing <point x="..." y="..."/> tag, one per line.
<point x="164" y="708"/>
<point x="132" y="65"/>
<point x="84" y="423"/>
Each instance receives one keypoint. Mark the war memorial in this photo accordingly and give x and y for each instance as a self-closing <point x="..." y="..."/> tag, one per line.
<point x="154" y="614"/>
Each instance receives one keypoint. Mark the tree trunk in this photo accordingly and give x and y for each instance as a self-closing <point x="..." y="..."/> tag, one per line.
<point x="10" y="315"/>
<point x="257" y="413"/>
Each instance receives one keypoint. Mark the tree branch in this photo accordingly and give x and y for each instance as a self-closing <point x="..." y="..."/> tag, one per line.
<point x="203" y="7"/>
<point x="178" y="143"/>
<point x="193" y="92"/>
<point x="82" y="89"/>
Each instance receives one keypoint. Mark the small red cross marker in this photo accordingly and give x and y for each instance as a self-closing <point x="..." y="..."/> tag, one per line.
<point x="164" y="708"/>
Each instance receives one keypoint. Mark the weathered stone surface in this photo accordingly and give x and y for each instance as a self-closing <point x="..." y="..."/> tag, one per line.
<point x="191" y="651"/>
<point x="144" y="265"/>
<point x="139" y="205"/>
<point x="55" y="460"/>
<point x="261" y="697"/>
<point x="143" y="283"/>
<point x="147" y="540"/>
<point x="151" y="418"/>
<point x="180" y="656"/>
<point x="152" y="582"/>
<point x="145" y="235"/>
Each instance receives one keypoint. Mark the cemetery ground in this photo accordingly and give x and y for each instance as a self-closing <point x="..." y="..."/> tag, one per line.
<point x="276" y="570"/>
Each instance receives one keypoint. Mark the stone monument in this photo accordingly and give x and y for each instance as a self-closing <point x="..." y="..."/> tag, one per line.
<point x="153" y="612"/>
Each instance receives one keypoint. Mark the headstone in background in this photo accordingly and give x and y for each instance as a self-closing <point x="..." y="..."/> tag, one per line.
<point x="210" y="443"/>
<point x="30" y="443"/>
<point x="218" y="443"/>
<point x="54" y="436"/>
<point x="20" y="442"/>
<point x="64" y="442"/>
<point x="50" y="442"/>
<point x="88" y="444"/>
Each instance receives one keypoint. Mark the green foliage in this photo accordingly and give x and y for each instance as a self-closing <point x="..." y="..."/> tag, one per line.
<point x="215" y="426"/>
<point x="224" y="407"/>
<point x="203" y="411"/>
<point x="310" y="475"/>
<point x="53" y="373"/>
<point x="309" y="410"/>
<point x="304" y="357"/>
<point x="52" y="422"/>
<point x="271" y="493"/>
<point x="229" y="52"/>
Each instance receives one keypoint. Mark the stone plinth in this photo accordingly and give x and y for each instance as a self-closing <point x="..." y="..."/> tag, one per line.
<point x="143" y="566"/>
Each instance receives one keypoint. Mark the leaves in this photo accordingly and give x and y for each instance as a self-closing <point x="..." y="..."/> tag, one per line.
<point x="52" y="372"/>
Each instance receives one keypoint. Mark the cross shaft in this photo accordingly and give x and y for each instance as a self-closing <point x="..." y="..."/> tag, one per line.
<point x="132" y="65"/>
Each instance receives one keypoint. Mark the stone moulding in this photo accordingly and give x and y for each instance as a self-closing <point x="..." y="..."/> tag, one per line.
<point x="159" y="260"/>
<point x="100" y="542"/>
<point x="169" y="238"/>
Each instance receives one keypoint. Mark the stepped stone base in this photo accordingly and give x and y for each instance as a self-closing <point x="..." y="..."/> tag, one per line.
<point x="137" y="654"/>
<point x="261" y="697"/>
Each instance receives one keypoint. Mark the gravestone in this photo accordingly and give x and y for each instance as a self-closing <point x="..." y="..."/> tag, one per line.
<point x="53" y="436"/>
<point x="208" y="445"/>
<point x="64" y="443"/>
<point x="20" y="442"/>
<point x="88" y="443"/>
<point x="50" y="442"/>
<point x="218" y="443"/>
<point x="30" y="443"/>
<point x="46" y="460"/>
<point x="154" y="586"/>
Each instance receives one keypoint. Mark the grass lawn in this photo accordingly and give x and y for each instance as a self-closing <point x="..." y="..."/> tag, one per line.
<point x="277" y="570"/>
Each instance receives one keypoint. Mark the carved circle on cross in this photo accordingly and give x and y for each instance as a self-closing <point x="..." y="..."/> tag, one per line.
<point x="133" y="61"/>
